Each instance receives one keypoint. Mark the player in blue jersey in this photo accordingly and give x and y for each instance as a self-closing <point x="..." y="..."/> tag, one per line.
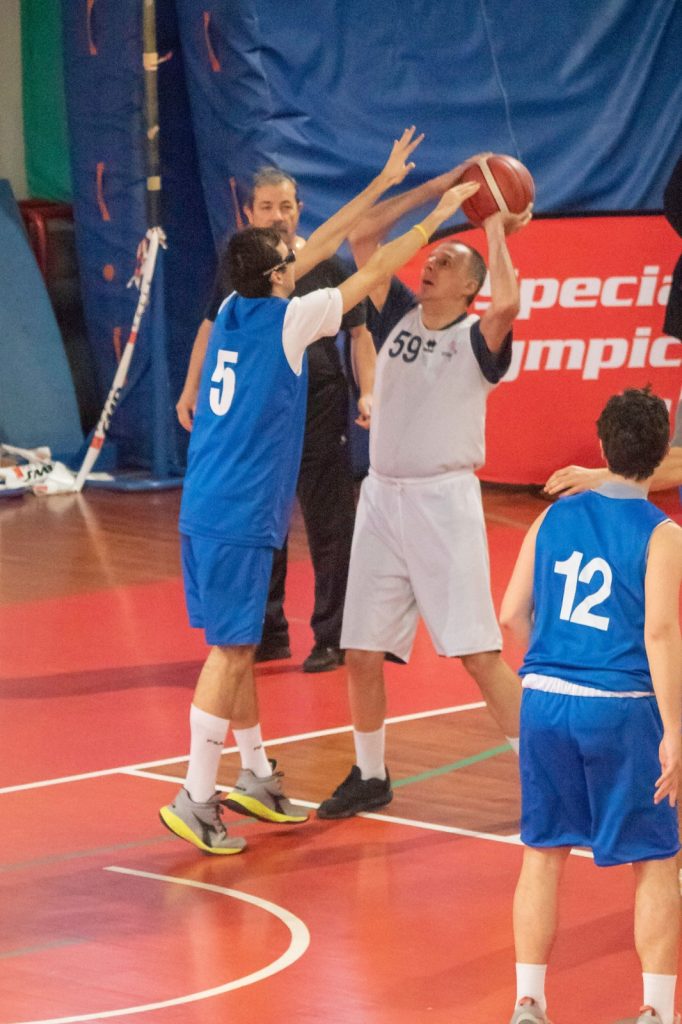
<point x="240" y="482"/>
<point x="595" y="597"/>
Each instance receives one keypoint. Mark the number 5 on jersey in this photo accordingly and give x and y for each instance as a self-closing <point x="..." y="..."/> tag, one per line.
<point x="223" y="382"/>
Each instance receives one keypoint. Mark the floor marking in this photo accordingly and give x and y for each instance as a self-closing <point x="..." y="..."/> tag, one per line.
<point x="95" y="851"/>
<point x="455" y="766"/>
<point x="26" y="950"/>
<point x="233" y="750"/>
<point x="512" y="840"/>
<point x="494" y="837"/>
<point x="300" y="940"/>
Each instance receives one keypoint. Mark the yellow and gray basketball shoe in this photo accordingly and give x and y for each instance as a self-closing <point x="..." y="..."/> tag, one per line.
<point x="263" y="798"/>
<point x="528" y="1012"/>
<point x="200" y="824"/>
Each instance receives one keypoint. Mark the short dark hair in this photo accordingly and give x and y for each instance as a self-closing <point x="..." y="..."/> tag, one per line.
<point x="477" y="269"/>
<point x="634" y="429"/>
<point x="269" y="176"/>
<point x="249" y="254"/>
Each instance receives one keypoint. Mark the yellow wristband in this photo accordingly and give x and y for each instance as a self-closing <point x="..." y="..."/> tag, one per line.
<point x="422" y="232"/>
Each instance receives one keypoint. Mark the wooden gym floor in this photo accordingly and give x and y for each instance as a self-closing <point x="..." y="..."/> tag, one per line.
<point x="400" y="917"/>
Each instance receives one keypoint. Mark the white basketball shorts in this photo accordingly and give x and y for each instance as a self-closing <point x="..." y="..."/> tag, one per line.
<point x="420" y="549"/>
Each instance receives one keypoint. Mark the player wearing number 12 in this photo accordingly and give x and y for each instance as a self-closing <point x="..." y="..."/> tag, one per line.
<point x="596" y="589"/>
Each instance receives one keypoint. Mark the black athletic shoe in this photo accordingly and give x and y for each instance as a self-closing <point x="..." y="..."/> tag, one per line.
<point x="273" y="649"/>
<point x="355" y="795"/>
<point x="323" y="659"/>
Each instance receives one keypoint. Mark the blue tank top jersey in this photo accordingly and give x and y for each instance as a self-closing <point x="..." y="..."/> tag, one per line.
<point x="590" y="562"/>
<point x="245" y="448"/>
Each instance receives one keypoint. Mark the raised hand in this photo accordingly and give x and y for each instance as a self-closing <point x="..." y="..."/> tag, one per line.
<point x="397" y="167"/>
<point x="451" y="200"/>
<point x="512" y="222"/>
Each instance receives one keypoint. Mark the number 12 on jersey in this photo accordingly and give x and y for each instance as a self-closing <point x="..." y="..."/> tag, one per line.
<point x="581" y="613"/>
<point x="220" y="396"/>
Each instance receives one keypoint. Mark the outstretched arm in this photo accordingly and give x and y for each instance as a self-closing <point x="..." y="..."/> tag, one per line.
<point x="391" y="256"/>
<point x="574" y="479"/>
<point x="324" y="242"/>
<point x="498" y="318"/>
<point x="373" y="227"/>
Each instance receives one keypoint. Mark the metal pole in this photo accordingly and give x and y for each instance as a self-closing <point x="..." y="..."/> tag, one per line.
<point x="150" y="60"/>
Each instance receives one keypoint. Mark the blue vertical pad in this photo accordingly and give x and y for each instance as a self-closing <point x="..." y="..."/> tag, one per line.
<point x="37" y="397"/>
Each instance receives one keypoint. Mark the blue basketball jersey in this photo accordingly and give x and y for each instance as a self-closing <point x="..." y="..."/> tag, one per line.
<point x="247" y="437"/>
<point x="590" y="562"/>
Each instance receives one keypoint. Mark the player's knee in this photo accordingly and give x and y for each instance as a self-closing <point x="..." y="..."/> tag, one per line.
<point x="479" y="666"/>
<point x="365" y="665"/>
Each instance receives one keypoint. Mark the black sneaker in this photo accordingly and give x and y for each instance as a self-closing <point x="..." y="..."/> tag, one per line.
<point x="356" y="794"/>
<point x="273" y="649"/>
<point x="323" y="659"/>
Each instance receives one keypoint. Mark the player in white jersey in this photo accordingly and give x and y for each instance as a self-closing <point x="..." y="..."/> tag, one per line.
<point x="419" y="547"/>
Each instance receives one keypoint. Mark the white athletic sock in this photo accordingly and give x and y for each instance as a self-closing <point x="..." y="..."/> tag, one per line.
<point x="530" y="981"/>
<point x="369" y="753"/>
<point x="252" y="751"/>
<point x="659" y="992"/>
<point x="513" y="742"/>
<point x="208" y="734"/>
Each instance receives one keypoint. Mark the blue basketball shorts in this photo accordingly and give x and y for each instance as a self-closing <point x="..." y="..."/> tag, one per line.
<point x="588" y="770"/>
<point x="226" y="589"/>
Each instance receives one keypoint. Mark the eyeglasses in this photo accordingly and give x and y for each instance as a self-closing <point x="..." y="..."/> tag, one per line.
<point x="289" y="258"/>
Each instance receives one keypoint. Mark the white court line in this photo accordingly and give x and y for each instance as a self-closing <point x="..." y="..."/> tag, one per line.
<point x="493" y="837"/>
<point x="300" y="940"/>
<point x="232" y="750"/>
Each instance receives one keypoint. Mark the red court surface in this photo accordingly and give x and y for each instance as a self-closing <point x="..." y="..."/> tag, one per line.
<point x="404" y="916"/>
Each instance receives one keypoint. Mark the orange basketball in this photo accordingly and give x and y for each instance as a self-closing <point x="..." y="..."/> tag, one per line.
<point x="505" y="185"/>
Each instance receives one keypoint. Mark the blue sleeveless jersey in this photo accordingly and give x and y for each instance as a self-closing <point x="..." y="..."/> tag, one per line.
<point x="245" y="449"/>
<point x="590" y="562"/>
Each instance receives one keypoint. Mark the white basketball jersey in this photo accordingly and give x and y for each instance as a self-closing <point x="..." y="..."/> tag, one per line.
<point x="428" y="409"/>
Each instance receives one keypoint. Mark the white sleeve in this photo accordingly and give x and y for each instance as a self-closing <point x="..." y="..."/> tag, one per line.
<point x="316" y="315"/>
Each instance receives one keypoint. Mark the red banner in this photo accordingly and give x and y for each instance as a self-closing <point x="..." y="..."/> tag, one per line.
<point x="593" y="297"/>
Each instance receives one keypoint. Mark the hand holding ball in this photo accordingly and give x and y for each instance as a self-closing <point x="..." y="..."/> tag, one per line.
<point x="505" y="185"/>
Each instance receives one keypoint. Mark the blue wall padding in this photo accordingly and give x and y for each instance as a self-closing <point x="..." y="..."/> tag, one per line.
<point x="587" y="94"/>
<point x="104" y="101"/>
<point x="37" y="397"/>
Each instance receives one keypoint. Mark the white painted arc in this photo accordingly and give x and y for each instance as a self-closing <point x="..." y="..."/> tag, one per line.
<point x="492" y="184"/>
<point x="300" y="940"/>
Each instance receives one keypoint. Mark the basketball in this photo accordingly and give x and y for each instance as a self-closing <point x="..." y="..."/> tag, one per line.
<point x="505" y="185"/>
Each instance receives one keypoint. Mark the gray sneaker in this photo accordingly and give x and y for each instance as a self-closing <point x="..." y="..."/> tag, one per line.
<point x="647" y="1015"/>
<point x="263" y="798"/>
<point x="200" y="824"/>
<point x="528" y="1012"/>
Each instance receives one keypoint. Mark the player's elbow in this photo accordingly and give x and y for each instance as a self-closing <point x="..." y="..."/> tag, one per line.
<point x="661" y="632"/>
<point x="506" y="308"/>
<point x="515" y="622"/>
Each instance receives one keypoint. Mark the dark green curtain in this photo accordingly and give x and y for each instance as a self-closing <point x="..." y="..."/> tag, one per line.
<point x="48" y="170"/>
